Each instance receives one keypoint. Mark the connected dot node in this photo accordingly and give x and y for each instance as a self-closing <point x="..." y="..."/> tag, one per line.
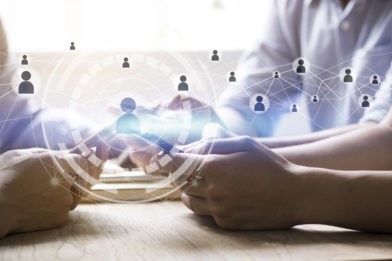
<point x="347" y="76"/>
<point x="259" y="103"/>
<point x="128" y="105"/>
<point x="375" y="79"/>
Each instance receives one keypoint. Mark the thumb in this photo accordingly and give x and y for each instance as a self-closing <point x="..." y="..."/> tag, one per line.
<point x="102" y="151"/>
<point x="173" y="103"/>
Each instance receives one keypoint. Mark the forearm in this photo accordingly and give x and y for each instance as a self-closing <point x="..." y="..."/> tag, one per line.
<point x="235" y="122"/>
<point x="29" y="132"/>
<point x="366" y="148"/>
<point x="279" y="142"/>
<point x="359" y="200"/>
<point x="8" y="219"/>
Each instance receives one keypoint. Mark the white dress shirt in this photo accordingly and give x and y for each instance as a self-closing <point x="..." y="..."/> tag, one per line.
<point x="330" y="38"/>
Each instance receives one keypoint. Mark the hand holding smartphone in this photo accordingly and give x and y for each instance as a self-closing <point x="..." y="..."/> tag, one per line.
<point x="139" y="139"/>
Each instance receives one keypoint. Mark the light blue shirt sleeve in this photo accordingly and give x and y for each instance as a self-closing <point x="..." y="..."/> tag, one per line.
<point x="24" y="125"/>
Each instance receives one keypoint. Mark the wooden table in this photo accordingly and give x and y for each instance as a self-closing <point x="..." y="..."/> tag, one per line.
<point x="167" y="230"/>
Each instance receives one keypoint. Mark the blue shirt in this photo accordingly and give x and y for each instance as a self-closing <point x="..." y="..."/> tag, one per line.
<point x="330" y="38"/>
<point x="22" y="123"/>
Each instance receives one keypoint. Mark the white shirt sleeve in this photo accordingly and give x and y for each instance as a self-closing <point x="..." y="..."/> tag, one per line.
<point x="383" y="101"/>
<point x="278" y="45"/>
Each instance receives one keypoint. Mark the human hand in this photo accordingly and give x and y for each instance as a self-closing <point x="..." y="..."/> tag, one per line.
<point x="201" y="115"/>
<point x="204" y="123"/>
<point x="243" y="184"/>
<point x="39" y="187"/>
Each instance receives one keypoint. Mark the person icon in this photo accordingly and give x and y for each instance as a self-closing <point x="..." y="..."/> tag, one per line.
<point x="24" y="60"/>
<point x="301" y="67"/>
<point x="128" y="123"/>
<point x="365" y="102"/>
<point x="72" y="47"/>
<point x="259" y="106"/>
<point x="125" y="64"/>
<point x="375" y="80"/>
<point x="26" y="87"/>
<point x="347" y="77"/>
<point x="276" y="75"/>
<point x="294" y="108"/>
<point x="215" y="56"/>
<point x="183" y="86"/>
<point x="232" y="77"/>
<point x="315" y="99"/>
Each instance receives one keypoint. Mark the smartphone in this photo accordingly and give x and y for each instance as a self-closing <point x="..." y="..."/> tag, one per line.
<point x="109" y="132"/>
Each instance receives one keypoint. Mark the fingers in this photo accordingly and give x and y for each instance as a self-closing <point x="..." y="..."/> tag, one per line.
<point x="198" y="205"/>
<point x="196" y="187"/>
<point x="141" y="159"/>
<point x="78" y="191"/>
<point x="93" y="169"/>
<point x="57" y="163"/>
<point x="84" y="169"/>
<point x="138" y="150"/>
<point x="188" y="147"/>
<point x="180" y="164"/>
<point x="224" y="146"/>
<point x="36" y="150"/>
<point x="102" y="152"/>
<point x="72" y="172"/>
<point x="74" y="165"/>
<point x="137" y="143"/>
<point x="82" y="185"/>
<point x="174" y="103"/>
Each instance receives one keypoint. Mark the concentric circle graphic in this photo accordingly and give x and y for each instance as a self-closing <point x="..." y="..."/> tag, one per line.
<point x="99" y="86"/>
<point x="106" y="83"/>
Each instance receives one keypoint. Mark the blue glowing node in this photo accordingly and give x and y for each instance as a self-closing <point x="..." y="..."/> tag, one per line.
<point x="128" y="123"/>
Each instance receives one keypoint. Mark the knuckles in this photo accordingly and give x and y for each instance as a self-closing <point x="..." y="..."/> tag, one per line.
<point x="213" y="193"/>
<point x="12" y="154"/>
<point x="249" y="142"/>
<point x="212" y="167"/>
<point x="206" y="146"/>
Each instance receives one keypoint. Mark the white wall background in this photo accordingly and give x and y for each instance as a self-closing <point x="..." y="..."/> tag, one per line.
<point x="116" y="25"/>
<point x="42" y="26"/>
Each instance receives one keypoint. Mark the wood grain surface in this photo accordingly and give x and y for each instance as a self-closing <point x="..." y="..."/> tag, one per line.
<point x="167" y="230"/>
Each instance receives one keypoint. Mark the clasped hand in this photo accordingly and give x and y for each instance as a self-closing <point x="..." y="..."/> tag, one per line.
<point x="39" y="187"/>
<point x="243" y="184"/>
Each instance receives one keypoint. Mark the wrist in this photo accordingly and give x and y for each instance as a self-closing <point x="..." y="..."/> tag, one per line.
<point x="318" y="196"/>
<point x="8" y="219"/>
<point x="297" y="193"/>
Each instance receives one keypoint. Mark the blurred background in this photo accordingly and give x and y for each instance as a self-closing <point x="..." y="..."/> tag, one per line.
<point x="162" y="38"/>
<point x="118" y="25"/>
